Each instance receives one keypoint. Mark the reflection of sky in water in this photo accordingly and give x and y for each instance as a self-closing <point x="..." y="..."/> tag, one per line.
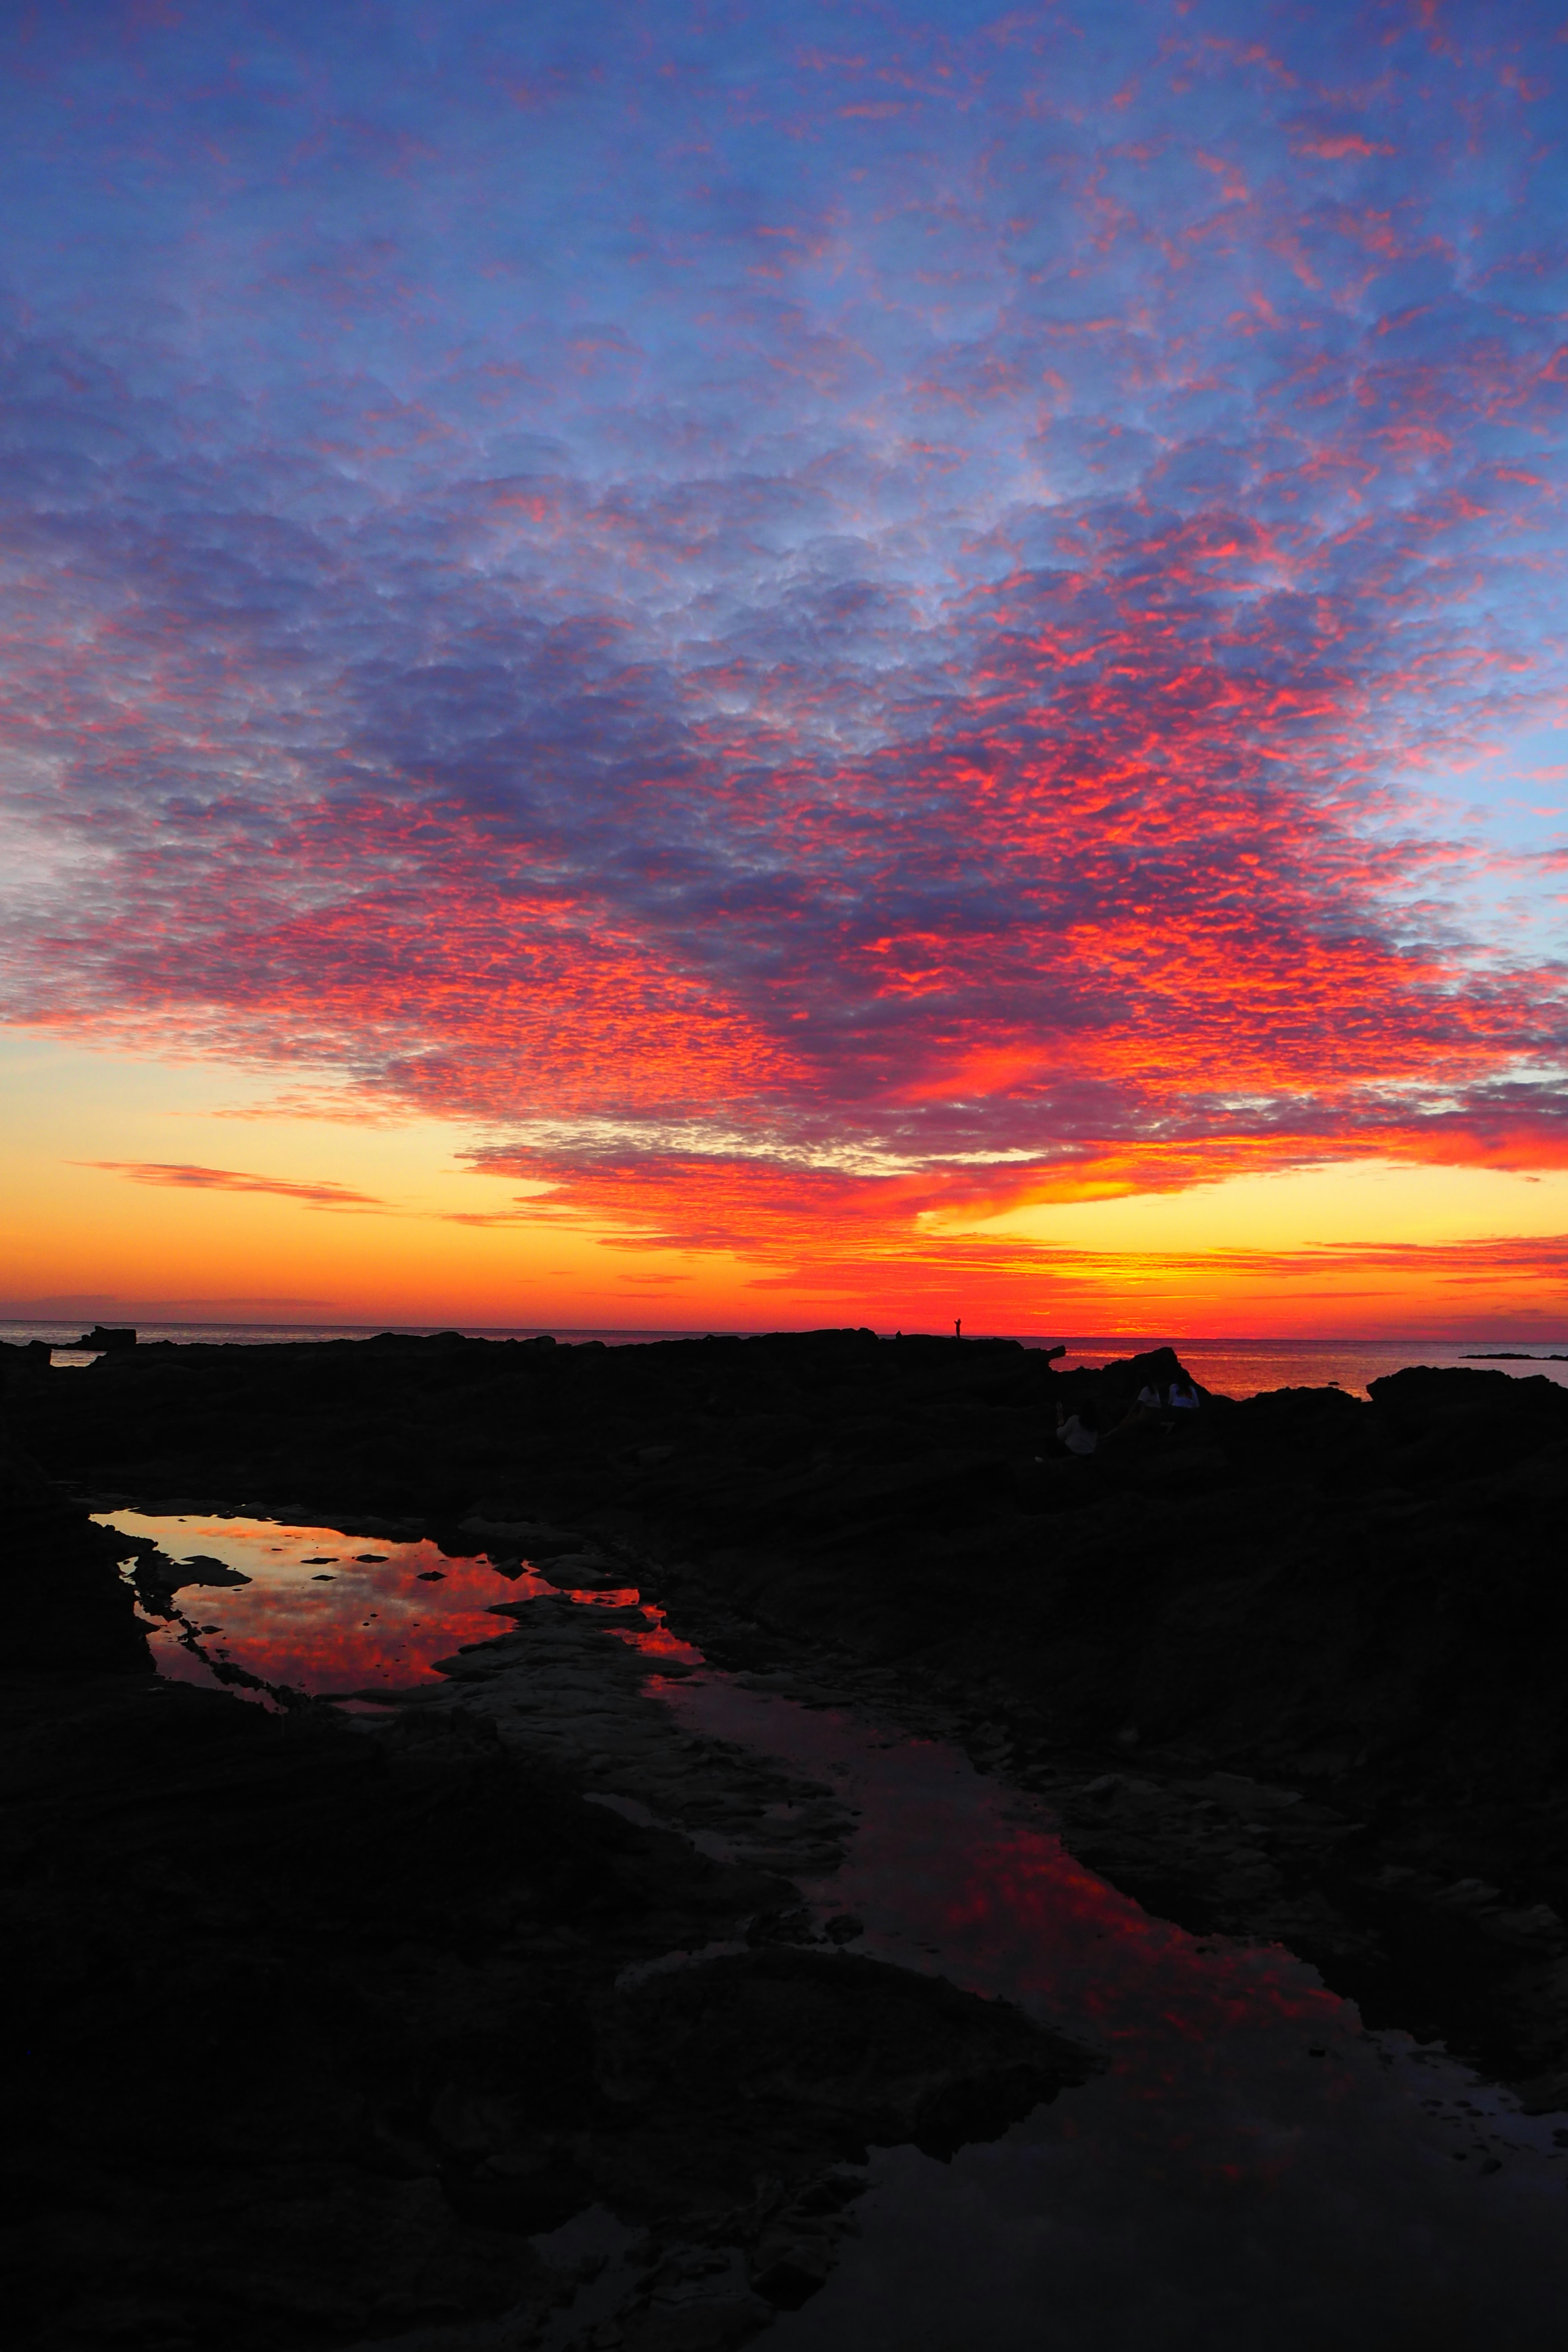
<point x="1244" y="1368"/>
<point x="1224" y="2188"/>
<point x="325" y="1611"/>
<point x="1254" y="2170"/>
<point x="331" y="1612"/>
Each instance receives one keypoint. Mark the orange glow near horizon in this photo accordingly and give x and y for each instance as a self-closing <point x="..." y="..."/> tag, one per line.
<point x="406" y="1231"/>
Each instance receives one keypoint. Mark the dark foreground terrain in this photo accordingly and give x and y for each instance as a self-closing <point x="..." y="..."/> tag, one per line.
<point x="1292" y="1667"/>
<point x="314" y="2026"/>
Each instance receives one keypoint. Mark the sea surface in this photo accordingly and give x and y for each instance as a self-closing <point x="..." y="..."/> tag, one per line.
<point x="1234" y="1367"/>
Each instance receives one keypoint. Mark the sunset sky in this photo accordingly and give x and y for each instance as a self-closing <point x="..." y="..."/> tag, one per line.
<point x="773" y="664"/>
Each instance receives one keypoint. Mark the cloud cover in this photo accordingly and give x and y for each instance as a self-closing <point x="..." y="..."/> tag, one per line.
<point x="798" y="615"/>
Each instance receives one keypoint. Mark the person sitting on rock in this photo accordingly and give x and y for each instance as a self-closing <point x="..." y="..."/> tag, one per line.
<point x="1184" y="1396"/>
<point x="1080" y="1431"/>
<point x="1140" y="1414"/>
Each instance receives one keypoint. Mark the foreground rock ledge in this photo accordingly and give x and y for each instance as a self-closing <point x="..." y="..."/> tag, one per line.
<point x="1356" y="1607"/>
<point x="320" y="2026"/>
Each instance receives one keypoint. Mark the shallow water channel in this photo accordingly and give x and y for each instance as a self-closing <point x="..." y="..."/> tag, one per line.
<point x="1252" y="2169"/>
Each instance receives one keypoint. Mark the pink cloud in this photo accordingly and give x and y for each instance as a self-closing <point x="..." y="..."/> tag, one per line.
<point x="474" y="646"/>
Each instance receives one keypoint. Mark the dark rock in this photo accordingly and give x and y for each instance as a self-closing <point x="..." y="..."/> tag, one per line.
<point x="79" y="1616"/>
<point x="157" y="1578"/>
<point x="790" y="2268"/>
<point x="534" y="1537"/>
<point x="791" y="1925"/>
<point x="1360" y="1601"/>
<point x="200" y="1569"/>
<point x="824" y="2055"/>
<point x="399" y="2047"/>
<point x="31" y="1355"/>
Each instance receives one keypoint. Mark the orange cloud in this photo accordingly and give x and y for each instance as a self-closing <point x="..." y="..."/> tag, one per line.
<point x="629" y="729"/>
<point x="322" y="1195"/>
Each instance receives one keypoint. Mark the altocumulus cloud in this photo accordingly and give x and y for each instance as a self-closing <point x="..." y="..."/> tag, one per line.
<point x="803" y="620"/>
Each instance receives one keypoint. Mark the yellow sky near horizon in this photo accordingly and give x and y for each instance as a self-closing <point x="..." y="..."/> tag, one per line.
<point x="1360" y="1247"/>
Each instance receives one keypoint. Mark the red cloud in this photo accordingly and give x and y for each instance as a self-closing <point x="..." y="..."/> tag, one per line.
<point x="1333" y="148"/>
<point x="635" y="730"/>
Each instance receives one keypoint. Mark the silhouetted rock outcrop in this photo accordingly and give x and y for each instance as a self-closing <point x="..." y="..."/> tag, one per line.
<point x="69" y="1613"/>
<point x="324" y="2020"/>
<point x="1354" y="1608"/>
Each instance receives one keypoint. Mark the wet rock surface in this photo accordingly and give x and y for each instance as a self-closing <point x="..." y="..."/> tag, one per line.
<point x="568" y="1684"/>
<point x="1290" y="1668"/>
<point x="323" y="2025"/>
<point x="1358" y="1604"/>
<point x="325" y="2022"/>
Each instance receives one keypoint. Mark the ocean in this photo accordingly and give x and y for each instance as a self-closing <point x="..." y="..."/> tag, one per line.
<point x="1234" y="1367"/>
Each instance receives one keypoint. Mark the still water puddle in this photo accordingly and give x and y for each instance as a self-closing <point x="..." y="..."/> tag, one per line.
<point x="1254" y="2168"/>
<point x="330" y="1615"/>
<point x="323" y="1612"/>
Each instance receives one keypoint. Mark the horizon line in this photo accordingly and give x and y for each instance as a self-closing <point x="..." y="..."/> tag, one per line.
<point x="430" y="1328"/>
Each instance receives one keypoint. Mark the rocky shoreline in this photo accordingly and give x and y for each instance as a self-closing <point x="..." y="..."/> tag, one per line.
<point x="334" y="2028"/>
<point x="1287" y="1669"/>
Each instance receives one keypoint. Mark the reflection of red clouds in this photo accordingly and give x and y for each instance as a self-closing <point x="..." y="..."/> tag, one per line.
<point x="1034" y="1923"/>
<point x="1206" y="2040"/>
<point x="652" y="1639"/>
<point x="1023" y="1915"/>
<point x="288" y="1629"/>
<point x="661" y="1645"/>
<point x="371" y="1623"/>
<point x="1134" y="1974"/>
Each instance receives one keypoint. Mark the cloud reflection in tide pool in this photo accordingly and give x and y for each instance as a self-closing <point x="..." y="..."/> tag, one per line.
<point x="1254" y="2168"/>
<point x="324" y="1612"/>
